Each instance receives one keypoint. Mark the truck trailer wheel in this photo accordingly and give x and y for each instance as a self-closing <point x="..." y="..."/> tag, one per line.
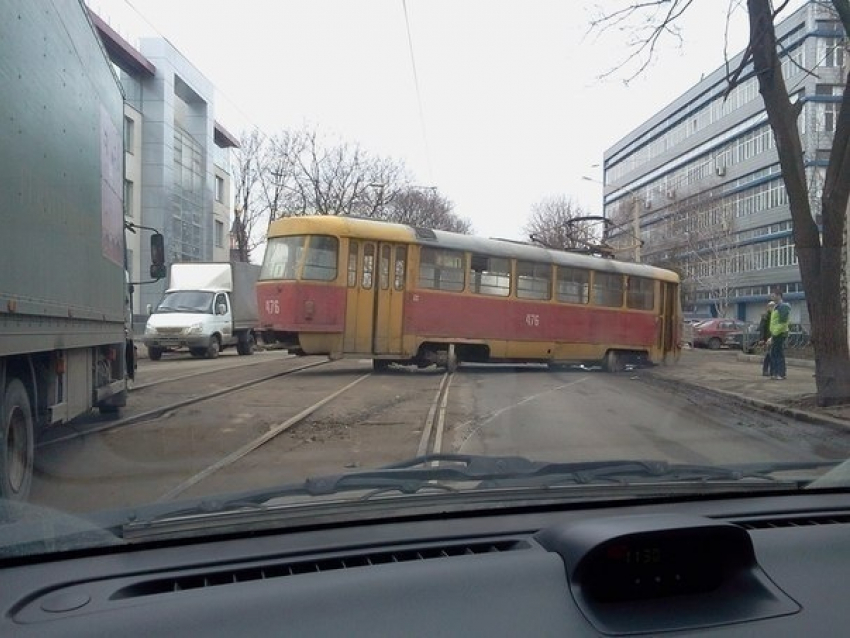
<point x="154" y="353"/>
<point x="246" y="346"/>
<point x="16" y="445"/>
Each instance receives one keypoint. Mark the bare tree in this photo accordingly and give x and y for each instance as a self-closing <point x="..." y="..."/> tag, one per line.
<point x="819" y="254"/>
<point x="248" y="172"/>
<point x="558" y="222"/>
<point x="425" y="208"/>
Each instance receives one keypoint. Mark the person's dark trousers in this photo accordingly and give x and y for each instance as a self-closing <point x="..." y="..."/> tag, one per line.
<point x="765" y="364"/>
<point x="777" y="356"/>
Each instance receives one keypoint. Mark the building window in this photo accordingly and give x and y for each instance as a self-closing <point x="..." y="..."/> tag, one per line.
<point x="219" y="189"/>
<point x="128" y="198"/>
<point x="129" y="134"/>
<point x="219" y="234"/>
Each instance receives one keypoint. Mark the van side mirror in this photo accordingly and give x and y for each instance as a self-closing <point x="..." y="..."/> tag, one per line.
<point x="221" y="309"/>
<point x="158" y="269"/>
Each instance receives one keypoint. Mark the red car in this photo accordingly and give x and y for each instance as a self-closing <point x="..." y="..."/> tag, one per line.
<point x="714" y="333"/>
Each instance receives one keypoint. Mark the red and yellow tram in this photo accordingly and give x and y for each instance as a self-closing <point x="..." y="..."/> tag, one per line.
<point x="350" y="287"/>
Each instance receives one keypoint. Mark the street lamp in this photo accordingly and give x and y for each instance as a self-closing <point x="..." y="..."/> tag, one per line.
<point x="635" y="216"/>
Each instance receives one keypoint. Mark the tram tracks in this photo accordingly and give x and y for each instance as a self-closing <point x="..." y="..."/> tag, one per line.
<point x="153" y="413"/>
<point x="430" y="440"/>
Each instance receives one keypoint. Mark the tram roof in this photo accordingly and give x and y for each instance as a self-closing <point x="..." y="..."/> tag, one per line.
<point x="360" y="228"/>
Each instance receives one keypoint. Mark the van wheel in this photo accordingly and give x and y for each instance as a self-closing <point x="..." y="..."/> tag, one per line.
<point x="214" y="348"/>
<point x="16" y="446"/>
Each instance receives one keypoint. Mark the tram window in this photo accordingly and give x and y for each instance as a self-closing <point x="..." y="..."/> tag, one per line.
<point x="353" y="250"/>
<point x="368" y="265"/>
<point x="573" y="285"/>
<point x="491" y="275"/>
<point x="608" y="289"/>
<point x="441" y="269"/>
<point x="385" y="267"/>
<point x="282" y="257"/>
<point x="400" y="267"/>
<point x="641" y="293"/>
<point x="533" y="281"/>
<point x="320" y="264"/>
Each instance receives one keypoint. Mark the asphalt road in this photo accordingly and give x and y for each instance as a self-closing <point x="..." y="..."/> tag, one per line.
<point x="339" y="416"/>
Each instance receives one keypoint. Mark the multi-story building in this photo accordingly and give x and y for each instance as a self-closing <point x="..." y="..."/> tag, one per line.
<point x="177" y="164"/>
<point x="701" y="178"/>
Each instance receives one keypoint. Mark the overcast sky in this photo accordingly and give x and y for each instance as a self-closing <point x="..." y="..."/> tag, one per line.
<point x="510" y="107"/>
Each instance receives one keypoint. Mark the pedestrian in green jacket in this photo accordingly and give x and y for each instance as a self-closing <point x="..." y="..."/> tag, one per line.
<point x="779" y="319"/>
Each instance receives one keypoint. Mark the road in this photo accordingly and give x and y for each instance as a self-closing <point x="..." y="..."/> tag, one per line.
<point x="199" y="428"/>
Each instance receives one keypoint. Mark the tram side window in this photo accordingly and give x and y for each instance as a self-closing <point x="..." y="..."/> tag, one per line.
<point x="282" y="257"/>
<point x="608" y="289"/>
<point x="490" y="275"/>
<point x="573" y="285"/>
<point x="533" y="281"/>
<point x="641" y="293"/>
<point x="441" y="269"/>
<point x="320" y="264"/>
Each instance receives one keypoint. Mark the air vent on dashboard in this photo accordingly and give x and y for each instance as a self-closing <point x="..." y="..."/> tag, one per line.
<point x="776" y="522"/>
<point x="209" y="578"/>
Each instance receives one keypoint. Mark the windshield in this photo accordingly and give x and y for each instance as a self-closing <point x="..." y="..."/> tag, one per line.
<point x="457" y="248"/>
<point x="186" y="301"/>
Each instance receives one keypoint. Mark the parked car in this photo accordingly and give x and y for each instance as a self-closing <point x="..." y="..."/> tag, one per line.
<point x="746" y="340"/>
<point x="715" y="333"/>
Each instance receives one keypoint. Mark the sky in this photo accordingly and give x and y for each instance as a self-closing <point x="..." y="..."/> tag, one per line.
<point x="500" y="105"/>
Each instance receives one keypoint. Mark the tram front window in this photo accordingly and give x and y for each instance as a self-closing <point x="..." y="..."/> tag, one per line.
<point x="283" y="255"/>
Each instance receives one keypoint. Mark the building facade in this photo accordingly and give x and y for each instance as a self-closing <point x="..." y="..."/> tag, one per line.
<point x="177" y="159"/>
<point x="700" y="181"/>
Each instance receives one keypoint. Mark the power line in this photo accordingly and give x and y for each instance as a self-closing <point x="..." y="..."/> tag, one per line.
<point x="418" y="92"/>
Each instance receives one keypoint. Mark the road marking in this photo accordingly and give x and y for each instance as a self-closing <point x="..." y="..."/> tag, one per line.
<point x="496" y="413"/>
<point x="233" y="457"/>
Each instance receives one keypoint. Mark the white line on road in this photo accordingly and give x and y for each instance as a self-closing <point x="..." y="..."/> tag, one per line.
<point x="253" y="445"/>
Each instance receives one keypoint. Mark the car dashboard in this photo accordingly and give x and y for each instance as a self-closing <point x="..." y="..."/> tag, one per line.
<point x="765" y="565"/>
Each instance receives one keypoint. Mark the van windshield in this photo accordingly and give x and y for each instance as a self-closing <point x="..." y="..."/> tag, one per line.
<point x="186" y="301"/>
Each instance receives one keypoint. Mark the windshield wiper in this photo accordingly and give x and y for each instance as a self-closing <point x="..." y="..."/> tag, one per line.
<point x="457" y="473"/>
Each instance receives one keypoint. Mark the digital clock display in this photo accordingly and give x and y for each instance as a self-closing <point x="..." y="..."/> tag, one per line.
<point x="653" y="565"/>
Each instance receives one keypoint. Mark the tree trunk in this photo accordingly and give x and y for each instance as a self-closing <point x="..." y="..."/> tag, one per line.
<point x="820" y="264"/>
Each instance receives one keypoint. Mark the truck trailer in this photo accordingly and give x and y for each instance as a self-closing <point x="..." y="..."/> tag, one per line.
<point x="208" y="306"/>
<point x="65" y="347"/>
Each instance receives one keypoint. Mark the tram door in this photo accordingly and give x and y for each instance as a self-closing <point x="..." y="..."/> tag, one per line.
<point x="667" y="331"/>
<point x="375" y="297"/>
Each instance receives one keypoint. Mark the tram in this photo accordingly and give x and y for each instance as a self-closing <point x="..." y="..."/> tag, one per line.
<point x="359" y="288"/>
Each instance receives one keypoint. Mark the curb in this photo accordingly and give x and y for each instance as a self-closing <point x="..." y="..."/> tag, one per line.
<point x="767" y="406"/>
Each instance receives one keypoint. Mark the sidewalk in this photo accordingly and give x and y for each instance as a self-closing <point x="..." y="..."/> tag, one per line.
<point x="738" y="376"/>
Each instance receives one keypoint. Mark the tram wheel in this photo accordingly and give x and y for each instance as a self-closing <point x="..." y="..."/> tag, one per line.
<point x="613" y="362"/>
